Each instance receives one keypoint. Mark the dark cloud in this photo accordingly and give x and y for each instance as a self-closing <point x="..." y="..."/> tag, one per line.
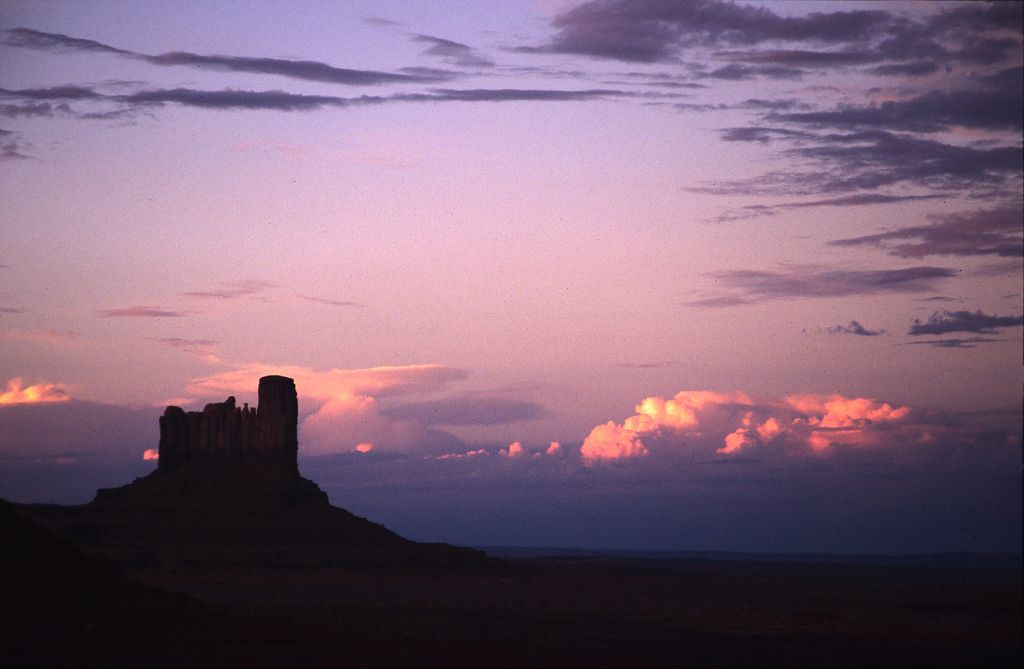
<point x="861" y="199"/>
<point x="33" y="109"/>
<point x="324" y="300"/>
<point x="231" y="290"/>
<point x="740" y="72"/>
<point x="942" y="322"/>
<point x="749" y="286"/>
<point x="282" y="101"/>
<point x="141" y="312"/>
<point x="12" y="310"/>
<point x="466" y="410"/>
<point x="985" y="232"/>
<point x="911" y="68"/>
<point x="762" y="134"/>
<point x="988" y="108"/>
<point x="799" y="58"/>
<point x="854" y="328"/>
<point x="306" y="70"/>
<point x="34" y="39"/>
<point x="52" y="93"/>
<point x="380" y="22"/>
<point x="233" y="99"/>
<point x="453" y="52"/>
<point x="868" y="160"/>
<point x="656" y="31"/>
<point x="955" y="343"/>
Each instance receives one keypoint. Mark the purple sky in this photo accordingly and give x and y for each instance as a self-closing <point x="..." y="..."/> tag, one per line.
<point x="755" y="267"/>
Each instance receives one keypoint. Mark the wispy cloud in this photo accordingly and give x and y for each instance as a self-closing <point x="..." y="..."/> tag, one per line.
<point x="306" y="70"/>
<point x="200" y="348"/>
<point x="231" y="290"/>
<point x="942" y="322"/>
<point x="329" y="302"/>
<point x="141" y="312"/>
<point x="455" y="53"/>
<point x="970" y="342"/>
<point x="749" y="286"/>
<point x="985" y="232"/>
<point x="654" y="364"/>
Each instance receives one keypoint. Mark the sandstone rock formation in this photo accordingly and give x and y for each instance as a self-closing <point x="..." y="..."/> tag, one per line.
<point x="224" y="433"/>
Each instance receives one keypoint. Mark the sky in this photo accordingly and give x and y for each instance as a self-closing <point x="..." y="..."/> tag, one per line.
<point x="610" y="274"/>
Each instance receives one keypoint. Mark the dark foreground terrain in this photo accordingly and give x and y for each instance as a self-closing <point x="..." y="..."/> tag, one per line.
<point x="64" y="606"/>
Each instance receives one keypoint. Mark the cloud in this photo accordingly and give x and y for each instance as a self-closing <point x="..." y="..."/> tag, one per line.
<point x="453" y="52"/>
<point x="12" y="310"/>
<point x="141" y="312"/>
<point x="306" y="70"/>
<point x="151" y="454"/>
<point x="514" y="450"/>
<point x="868" y="160"/>
<point x="854" y="328"/>
<point x="970" y="342"/>
<point x="200" y="348"/>
<point x="706" y="423"/>
<point x="34" y="39"/>
<point x="344" y="404"/>
<point x="943" y="322"/>
<point x="657" y="31"/>
<point x="51" y="337"/>
<point x="748" y="286"/>
<point x="988" y="108"/>
<point x="857" y="200"/>
<point x="656" y="364"/>
<point x="467" y="409"/>
<point x="329" y="302"/>
<point x="231" y="290"/>
<point x="282" y="101"/>
<point x="18" y="393"/>
<point x="738" y="72"/>
<point x="984" y="232"/>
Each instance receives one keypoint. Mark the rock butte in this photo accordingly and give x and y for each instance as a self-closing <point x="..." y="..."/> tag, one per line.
<point x="227" y="492"/>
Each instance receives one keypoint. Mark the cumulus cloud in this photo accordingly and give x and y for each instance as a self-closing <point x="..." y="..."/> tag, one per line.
<point x="151" y="454"/>
<point x="707" y="423"/>
<point x="942" y="322"/>
<point x="514" y="450"/>
<point x="18" y="393"/>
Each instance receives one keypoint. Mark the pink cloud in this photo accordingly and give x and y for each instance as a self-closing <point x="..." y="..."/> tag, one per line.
<point x="554" y="449"/>
<point x="514" y="450"/>
<point x="51" y="337"/>
<point x="18" y="393"/>
<point x="151" y="454"/>
<point x="735" y="423"/>
<point x="141" y="312"/>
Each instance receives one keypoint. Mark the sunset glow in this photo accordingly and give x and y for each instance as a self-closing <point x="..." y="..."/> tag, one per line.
<point x="595" y="270"/>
